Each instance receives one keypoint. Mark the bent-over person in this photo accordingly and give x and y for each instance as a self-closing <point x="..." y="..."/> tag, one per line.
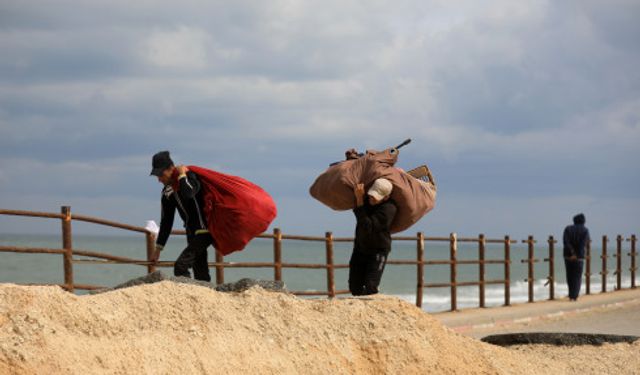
<point x="182" y="191"/>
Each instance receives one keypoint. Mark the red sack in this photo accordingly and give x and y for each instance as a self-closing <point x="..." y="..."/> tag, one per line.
<point x="236" y="210"/>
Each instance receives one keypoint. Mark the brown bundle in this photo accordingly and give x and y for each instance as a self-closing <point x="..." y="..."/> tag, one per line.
<point x="413" y="197"/>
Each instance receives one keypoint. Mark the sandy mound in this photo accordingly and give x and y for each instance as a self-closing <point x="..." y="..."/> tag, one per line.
<point x="167" y="328"/>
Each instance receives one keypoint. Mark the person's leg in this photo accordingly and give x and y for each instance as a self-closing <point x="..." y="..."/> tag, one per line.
<point x="200" y="264"/>
<point x="196" y="245"/>
<point x="184" y="261"/>
<point x="357" y="268"/>
<point x="374" y="270"/>
<point x="569" y="275"/>
<point x="574" y="279"/>
<point x="578" y="278"/>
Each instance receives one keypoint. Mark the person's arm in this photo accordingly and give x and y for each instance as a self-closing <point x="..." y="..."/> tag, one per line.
<point x="168" y="211"/>
<point x="566" y="240"/>
<point x="583" y="244"/>
<point x="359" y="193"/>
<point x="189" y="183"/>
<point x="380" y="220"/>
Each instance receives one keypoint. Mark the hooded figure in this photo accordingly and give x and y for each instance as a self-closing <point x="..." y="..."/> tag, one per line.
<point x="575" y="239"/>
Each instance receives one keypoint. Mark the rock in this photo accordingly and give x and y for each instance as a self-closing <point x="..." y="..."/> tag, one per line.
<point x="239" y="286"/>
<point x="246" y="283"/>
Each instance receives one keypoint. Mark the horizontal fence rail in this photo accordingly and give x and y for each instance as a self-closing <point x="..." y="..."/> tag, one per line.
<point x="71" y="256"/>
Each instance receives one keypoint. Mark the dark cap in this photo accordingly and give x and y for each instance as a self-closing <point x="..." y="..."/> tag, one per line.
<point x="160" y="162"/>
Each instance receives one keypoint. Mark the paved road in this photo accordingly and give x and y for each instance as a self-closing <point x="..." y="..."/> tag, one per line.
<point x="612" y="313"/>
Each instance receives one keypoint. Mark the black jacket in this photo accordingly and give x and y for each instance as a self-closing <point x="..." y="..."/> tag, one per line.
<point x="372" y="227"/>
<point x="575" y="238"/>
<point x="188" y="200"/>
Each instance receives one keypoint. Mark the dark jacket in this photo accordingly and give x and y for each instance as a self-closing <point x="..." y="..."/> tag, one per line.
<point x="188" y="200"/>
<point x="373" y="227"/>
<point x="576" y="237"/>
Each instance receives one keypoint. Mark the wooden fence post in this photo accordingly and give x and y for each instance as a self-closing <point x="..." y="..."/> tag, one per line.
<point x="507" y="270"/>
<point x="531" y="274"/>
<point x="604" y="263"/>
<point x="453" y="248"/>
<point x="219" y="268"/>
<point x="277" y="254"/>
<point x="331" y="285"/>
<point x="587" y="274"/>
<point x="481" y="257"/>
<point x="633" y="254"/>
<point x="151" y="249"/>
<point x="67" y="245"/>
<point x="552" y="277"/>
<point x="619" y="262"/>
<point x="420" y="271"/>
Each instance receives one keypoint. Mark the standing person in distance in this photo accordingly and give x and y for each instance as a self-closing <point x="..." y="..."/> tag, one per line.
<point x="575" y="239"/>
<point x="372" y="242"/>
<point x="182" y="191"/>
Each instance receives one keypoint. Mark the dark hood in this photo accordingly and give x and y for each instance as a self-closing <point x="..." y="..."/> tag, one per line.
<point x="579" y="219"/>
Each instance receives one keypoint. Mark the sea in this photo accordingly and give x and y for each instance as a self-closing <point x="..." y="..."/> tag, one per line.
<point x="398" y="280"/>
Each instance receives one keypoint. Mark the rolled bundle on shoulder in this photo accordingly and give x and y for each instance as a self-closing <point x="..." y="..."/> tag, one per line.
<point x="413" y="197"/>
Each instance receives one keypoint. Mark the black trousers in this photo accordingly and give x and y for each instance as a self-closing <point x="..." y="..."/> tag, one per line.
<point x="365" y="272"/>
<point x="574" y="276"/>
<point x="194" y="256"/>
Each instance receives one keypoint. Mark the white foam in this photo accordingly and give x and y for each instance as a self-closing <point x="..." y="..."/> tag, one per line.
<point x="467" y="297"/>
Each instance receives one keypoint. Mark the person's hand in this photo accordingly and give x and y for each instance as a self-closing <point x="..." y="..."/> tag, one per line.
<point x="359" y="193"/>
<point x="156" y="254"/>
<point x="182" y="170"/>
<point x="573" y="258"/>
<point x="154" y="257"/>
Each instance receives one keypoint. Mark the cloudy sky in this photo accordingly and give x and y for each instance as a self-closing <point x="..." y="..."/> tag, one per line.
<point x="526" y="111"/>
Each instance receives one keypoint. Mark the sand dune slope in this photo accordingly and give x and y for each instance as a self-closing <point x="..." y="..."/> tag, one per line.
<point x="167" y="328"/>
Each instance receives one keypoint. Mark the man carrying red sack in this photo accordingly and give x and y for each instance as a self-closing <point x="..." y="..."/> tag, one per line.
<point x="183" y="191"/>
<point x="217" y="209"/>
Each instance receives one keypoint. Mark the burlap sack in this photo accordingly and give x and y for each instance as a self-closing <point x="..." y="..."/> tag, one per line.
<point x="414" y="198"/>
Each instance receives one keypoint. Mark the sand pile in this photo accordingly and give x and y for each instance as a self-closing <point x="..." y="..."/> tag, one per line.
<point x="167" y="328"/>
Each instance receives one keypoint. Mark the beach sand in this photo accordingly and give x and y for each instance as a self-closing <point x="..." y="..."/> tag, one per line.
<point x="167" y="328"/>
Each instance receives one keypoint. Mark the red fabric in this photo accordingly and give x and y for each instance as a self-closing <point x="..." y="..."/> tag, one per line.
<point x="237" y="210"/>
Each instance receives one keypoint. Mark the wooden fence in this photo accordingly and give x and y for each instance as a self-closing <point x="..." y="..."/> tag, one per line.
<point x="68" y="252"/>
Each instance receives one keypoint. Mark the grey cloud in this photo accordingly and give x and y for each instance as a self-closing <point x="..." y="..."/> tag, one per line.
<point x="527" y="100"/>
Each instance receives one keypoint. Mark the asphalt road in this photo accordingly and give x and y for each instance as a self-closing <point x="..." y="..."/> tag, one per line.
<point x="610" y="313"/>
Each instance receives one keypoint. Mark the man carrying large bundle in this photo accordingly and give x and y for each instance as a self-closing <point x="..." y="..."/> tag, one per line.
<point x="372" y="242"/>
<point x="395" y="201"/>
<point x="217" y="209"/>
